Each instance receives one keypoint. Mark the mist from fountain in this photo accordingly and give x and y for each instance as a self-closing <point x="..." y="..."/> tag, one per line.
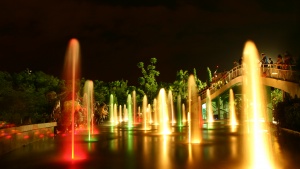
<point x="88" y="103"/>
<point x="125" y="119"/>
<point x="111" y="109"/>
<point x="115" y="115"/>
<point x="200" y="112"/>
<point x="179" y="111"/>
<point x="171" y="107"/>
<point x="129" y="112"/>
<point x="209" y="110"/>
<point x="163" y="113"/>
<point x="155" y="112"/>
<point x="183" y="115"/>
<point x="120" y="114"/>
<point x="134" y="106"/>
<point x="145" y="112"/>
<point x="257" y="132"/>
<point x="71" y="71"/>
<point x="194" y="133"/>
<point x="149" y="110"/>
<point x="232" y="114"/>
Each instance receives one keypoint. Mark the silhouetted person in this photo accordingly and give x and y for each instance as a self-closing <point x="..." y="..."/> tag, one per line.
<point x="264" y="60"/>
<point x="279" y="62"/>
<point x="241" y="60"/>
<point x="270" y="62"/>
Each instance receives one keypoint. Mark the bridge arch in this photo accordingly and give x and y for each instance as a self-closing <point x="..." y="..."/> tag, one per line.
<point x="286" y="80"/>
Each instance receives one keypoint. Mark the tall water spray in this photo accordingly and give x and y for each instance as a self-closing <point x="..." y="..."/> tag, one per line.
<point x="145" y="112"/>
<point x="71" y="70"/>
<point x="88" y="103"/>
<point x="257" y="139"/>
<point x="129" y="111"/>
<point x="134" y="106"/>
<point x="232" y="114"/>
<point x="200" y="112"/>
<point x="121" y="117"/>
<point x="111" y="109"/>
<point x="183" y="114"/>
<point x="209" y="110"/>
<point x="125" y="113"/>
<point x="163" y="113"/>
<point x="149" y="110"/>
<point x="171" y="107"/>
<point x="179" y="112"/>
<point x="115" y="114"/>
<point x="155" y="112"/>
<point x="194" y="134"/>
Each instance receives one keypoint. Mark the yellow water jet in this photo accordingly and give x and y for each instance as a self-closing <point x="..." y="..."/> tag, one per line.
<point x="257" y="136"/>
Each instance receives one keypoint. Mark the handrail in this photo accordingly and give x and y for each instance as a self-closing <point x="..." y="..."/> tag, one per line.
<point x="275" y="71"/>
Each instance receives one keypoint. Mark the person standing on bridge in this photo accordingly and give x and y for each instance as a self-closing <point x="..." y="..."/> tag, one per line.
<point x="264" y="60"/>
<point x="279" y="62"/>
<point x="241" y="60"/>
<point x="270" y="62"/>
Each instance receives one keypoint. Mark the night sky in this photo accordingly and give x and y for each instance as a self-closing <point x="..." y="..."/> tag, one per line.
<point x="115" y="35"/>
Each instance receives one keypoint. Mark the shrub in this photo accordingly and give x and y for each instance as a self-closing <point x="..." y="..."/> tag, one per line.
<point x="287" y="114"/>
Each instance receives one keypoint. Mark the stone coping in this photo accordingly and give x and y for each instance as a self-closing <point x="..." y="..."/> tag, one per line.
<point x="291" y="131"/>
<point x="20" y="129"/>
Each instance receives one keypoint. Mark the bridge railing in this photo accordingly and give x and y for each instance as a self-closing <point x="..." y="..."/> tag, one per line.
<point x="276" y="71"/>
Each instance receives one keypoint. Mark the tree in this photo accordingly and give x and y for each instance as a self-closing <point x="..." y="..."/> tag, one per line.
<point x="148" y="84"/>
<point x="181" y="84"/>
<point x="26" y="96"/>
<point x="276" y="96"/>
<point x="200" y="85"/>
<point x="209" y="76"/>
<point x="5" y="84"/>
<point x="101" y="91"/>
<point x="119" y="90"/>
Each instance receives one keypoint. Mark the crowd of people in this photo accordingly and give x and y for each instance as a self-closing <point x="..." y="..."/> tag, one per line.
<point x="283" y="61"/>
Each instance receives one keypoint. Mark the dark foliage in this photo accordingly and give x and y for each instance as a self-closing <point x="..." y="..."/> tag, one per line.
<point x="287" y="113"/>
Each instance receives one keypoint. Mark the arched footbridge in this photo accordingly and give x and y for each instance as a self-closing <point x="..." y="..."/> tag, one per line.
<point x="273" y="76"/>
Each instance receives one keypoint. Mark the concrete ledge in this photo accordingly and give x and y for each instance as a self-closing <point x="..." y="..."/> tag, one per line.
<point x="15" y="137"/>
<point x="291" y="131"/>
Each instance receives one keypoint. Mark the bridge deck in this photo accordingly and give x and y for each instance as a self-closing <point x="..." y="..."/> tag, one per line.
<point x="273" y="75"/>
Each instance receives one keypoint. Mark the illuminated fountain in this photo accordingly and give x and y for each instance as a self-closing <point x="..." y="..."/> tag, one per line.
<point x="155" y="112"/>
<point x="129" y="112"/>
<point x="232" y="115"/>
<point x="120" y="114"/>
<point x="179" y="112"/>
<point x="134" y="106"/>
<point x="200" y="112"/>
<point x="138" y="115"/>
<point x="145" y="112"/>
<point x="128" y="148"/>
<point x="111" y="109"/>
<point x="209" y="110"/>
<point x="71" y="70"/>
<point x="257" y="133"/>
<point x="194" y="133"/>
<point x="125" y="119"/>
<point x="183" y="115"/>
<point x="149" y="110"/>
<point x="163" y="113"/>
<point x="88" y="103"/>
<point x="171" y="107"/>
<point x="115" y="115"/>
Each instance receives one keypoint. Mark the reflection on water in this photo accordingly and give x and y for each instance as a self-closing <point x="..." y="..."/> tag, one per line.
<point x="124" y="148"/>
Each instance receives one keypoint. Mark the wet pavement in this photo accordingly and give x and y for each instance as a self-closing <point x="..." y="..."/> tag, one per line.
<point x="119" y="147"/>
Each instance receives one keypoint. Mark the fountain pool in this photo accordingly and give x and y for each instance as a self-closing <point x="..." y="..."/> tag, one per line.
<point x="220" y="148"/>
